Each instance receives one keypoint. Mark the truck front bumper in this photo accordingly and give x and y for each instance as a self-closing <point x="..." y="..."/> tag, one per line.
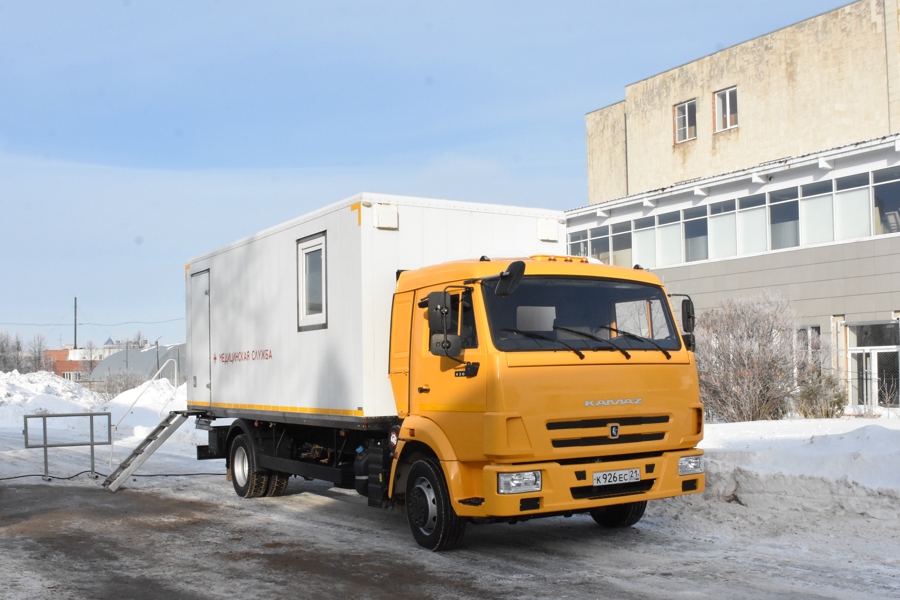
<point x="568" y="488"/>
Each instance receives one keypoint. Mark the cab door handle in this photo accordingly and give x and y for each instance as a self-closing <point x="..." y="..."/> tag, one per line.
<point x="424" y="389"/>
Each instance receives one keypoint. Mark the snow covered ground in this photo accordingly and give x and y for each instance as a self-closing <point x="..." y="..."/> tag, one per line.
<point x="816" y="500"/>
<point x="852" y="463"/>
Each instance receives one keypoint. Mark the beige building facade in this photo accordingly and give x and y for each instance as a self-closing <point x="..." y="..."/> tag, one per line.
<point x="773" y="165"/>
<point x="826" y="82"/>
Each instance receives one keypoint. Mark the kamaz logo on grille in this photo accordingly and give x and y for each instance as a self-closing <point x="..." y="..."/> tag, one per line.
<point x="612" y="402"/>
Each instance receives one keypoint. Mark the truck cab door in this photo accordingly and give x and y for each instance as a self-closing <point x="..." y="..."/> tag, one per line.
<point x="443" y="389"/>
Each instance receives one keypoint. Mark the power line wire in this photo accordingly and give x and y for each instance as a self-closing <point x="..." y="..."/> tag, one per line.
<point x="95" y="324"/>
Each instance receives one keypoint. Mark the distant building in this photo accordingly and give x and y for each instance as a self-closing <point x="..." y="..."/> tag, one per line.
<point x="774" y="164"/>
<point x="76" y="364"/>
<point x="145" y="362"/>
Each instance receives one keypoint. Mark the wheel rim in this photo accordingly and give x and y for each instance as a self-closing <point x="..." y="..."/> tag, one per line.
<point x="423" y="506"/>
<point x="240" y="470"/>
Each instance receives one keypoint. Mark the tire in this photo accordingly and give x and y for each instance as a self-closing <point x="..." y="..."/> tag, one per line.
<point x="432" y="520"/>
<point x="277" y="483"/>
<point x="249" y="480"/>
<point x="620" y="515"/>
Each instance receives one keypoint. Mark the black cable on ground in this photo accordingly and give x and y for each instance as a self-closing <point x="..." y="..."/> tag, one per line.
<point x="98" y="474"/>
<point x="176" y="474"/>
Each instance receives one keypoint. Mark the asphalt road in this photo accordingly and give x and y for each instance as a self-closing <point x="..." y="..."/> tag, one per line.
<point x="192" y="538"/>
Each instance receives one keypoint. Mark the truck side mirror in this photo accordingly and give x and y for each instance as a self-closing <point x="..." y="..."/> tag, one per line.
<point x="449" y="345"/>
<point x="510" y="278"/>
<point x="439" y="304"/>
<point x="689" y="342"/>
<point x="688" y="320"/>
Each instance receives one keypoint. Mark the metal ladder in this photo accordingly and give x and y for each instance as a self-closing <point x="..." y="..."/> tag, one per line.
<point x="160" y="434"/>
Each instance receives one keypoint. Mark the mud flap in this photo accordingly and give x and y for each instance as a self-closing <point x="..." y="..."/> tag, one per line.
<point x="379" y="473"/>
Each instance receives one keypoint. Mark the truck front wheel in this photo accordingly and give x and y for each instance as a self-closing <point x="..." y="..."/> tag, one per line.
<point x="620" y="515"/>
<point x="434" y="523"/>
<point x="249" y="480"/>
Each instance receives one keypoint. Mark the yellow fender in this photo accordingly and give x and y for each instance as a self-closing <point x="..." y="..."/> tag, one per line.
<point x="426" y="432"/>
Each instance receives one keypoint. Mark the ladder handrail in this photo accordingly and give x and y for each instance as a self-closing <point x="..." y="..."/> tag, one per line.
<point x="147" y="447"/>
<point x="115" y="428"/>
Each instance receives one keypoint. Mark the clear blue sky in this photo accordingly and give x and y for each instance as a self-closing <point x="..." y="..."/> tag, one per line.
<point x="137" y="134"/>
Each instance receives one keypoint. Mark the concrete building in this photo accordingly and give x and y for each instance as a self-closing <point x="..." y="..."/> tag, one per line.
<point x="826" y="82"/>
<point x="774" y="164"/>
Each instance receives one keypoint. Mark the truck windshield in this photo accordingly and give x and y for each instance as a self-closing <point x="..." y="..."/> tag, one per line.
<point x="580" y="314"/>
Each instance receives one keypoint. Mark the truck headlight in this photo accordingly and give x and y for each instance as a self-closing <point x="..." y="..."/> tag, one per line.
<point x="519" y="483"/>
<point x="690" y="465"/>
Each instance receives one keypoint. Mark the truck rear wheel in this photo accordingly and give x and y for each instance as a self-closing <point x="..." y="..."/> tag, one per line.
<point x="249" y="480"/>
<point x="432" y="520"/>
<point x="277" y="483"/>
<point x="620" y="515"/>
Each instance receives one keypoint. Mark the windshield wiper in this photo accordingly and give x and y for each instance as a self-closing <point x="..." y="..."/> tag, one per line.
<point x="638" y="338"/>
<point x="538" y="336"/>
<point x="591" y="336"/>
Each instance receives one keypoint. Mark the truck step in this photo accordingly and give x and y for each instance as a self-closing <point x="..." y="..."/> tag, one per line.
<point x="145" y="449"/>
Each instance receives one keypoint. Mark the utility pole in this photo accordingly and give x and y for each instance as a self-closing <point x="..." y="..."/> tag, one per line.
<point x="75" y="345"/>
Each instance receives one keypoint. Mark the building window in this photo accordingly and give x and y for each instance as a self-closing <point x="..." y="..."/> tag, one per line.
<point x="722" y="228"/>
<point x="644" y="242"/>
<point x="592" y="242"/>
<point x="668" y="238"/>
<point x="752" y="234"/>
<point x="726" y="109"/>
<point x="621" y="244"/>
<point x="808" y="339"/>
<point x="578" y="244"/>
<point x="599" y="244"/>
<point x="852" y="209"/>
<point x="696" y="234"/>
<point x="686" y="121"/>
<point x="887" y="201"/>
<point x="784" y="218"/>
<point x="311" y="290"/>
<point x="816" y="213"/>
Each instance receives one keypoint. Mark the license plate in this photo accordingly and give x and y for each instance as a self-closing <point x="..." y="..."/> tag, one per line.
<point x="613" y="477"/>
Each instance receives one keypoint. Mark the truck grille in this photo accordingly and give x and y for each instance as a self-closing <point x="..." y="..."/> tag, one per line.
<point x="591" y="426"/>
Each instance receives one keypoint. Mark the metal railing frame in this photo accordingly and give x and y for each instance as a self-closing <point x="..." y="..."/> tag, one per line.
<point x="46" y="446"/>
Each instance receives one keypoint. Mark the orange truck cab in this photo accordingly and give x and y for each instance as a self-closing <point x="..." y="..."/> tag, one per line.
<point x="567" y="390"/>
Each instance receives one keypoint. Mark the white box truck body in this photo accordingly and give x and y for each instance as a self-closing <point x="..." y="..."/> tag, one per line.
<point x="255" y="345"/>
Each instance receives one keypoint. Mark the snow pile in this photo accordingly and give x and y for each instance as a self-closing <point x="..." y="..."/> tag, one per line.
<point x="136" y="411"/>
<point x="145" y="405"/>
<point x="820" y="465"/>
<point x="36" y="393"/>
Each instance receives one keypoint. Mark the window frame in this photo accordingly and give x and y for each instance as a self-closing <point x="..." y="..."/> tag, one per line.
<point x="693" y="220"/>
<point x="309" y="321"/>
<point x="719" y="105"/>
<point x="686" y="136"/>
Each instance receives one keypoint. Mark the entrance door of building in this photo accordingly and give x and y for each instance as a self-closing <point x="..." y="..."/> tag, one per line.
<point x="875" y="377"/>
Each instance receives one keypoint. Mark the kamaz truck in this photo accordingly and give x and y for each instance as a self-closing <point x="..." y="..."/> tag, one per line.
<point x="445" y="357"/>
